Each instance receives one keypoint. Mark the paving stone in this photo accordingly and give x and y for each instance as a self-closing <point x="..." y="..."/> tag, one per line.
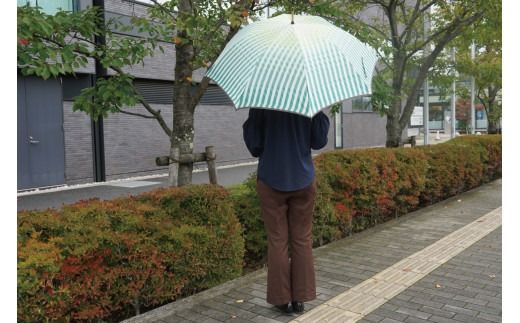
<point x="329" y="314"/>
<point x="475" y="301"/>
<point x="412" y="319"/>
<point x="414" y="313"/>
<point x="440" y="319"/>
<point x="460" y="310"/>
<point x="437" y="311"/>
<point x="469" y="319"/>
<point x="373" y="318"/>
<point x="490" y="317"/>
<point x="387" y="320"/>
<point x="484" y="309"/>
<point x="261" y="319"/>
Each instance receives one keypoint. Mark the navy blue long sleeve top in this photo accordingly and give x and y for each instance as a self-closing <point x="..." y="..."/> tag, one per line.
<point x="283" y="143"/>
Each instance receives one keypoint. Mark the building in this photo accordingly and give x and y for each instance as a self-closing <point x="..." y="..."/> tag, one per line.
<point x="57" y="146"/>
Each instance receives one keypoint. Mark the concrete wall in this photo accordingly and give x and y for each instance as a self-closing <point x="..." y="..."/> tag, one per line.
<point x="362" y="129"/>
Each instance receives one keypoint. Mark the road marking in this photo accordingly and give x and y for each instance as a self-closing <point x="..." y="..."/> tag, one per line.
<point x="355" y="303"/>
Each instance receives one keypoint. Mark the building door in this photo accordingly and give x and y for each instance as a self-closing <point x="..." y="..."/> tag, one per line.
<point x="41" y="148"/>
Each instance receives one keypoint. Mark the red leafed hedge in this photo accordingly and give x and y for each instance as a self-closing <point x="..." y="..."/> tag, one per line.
<point x="361" y="187"/>
<point x="109" y="259"/>
<point x="372" y="185"/>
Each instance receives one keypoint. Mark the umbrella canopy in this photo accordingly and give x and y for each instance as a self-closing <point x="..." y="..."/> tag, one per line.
<point x="299" y="68"/>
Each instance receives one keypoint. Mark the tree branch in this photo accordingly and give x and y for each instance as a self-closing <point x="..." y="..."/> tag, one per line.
<point x="165" y="10"/>
<point x="390" y="11"/>
<point x="136" y="114"/>
<point x="449" y="28"/>
<point x="156" y="113"/>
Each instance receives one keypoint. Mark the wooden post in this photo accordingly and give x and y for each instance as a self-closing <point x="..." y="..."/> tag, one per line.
<point x="173" y="179"/>
<point x="210" y="159"/>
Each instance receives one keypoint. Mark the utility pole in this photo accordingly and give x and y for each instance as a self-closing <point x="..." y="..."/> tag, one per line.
<point x="472" y="92"/>
<point x="426" y="94"/>
<point x="98" y="141"/>
<point x="453" y="97"/>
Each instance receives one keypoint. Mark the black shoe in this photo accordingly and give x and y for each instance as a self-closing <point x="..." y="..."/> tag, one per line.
<point x="298" y="307"/>
<point x="285" y="308"/>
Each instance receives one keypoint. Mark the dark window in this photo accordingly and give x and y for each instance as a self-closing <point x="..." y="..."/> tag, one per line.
<point x="72" y="85"/>
<point x="153" y="91"/>
<point x="362" y="104"/>
<point x="161" y="92"/>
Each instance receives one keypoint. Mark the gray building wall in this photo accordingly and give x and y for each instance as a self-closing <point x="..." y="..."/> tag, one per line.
<point x="78" y="146"/>
<point x="362" y="129"/>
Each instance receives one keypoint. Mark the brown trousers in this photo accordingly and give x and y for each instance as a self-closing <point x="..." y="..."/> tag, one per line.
<point x="288" y="221"/>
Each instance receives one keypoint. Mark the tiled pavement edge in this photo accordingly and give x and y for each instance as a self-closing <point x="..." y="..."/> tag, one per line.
<point x="339" y="265"/>
<point x="364" y="298"/>
<point x="467" y="288"/>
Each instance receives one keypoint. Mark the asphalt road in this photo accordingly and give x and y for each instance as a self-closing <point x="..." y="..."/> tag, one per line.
<point x="56" y="198"/>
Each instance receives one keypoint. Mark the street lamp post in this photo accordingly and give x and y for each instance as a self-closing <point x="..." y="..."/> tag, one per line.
<point x="472" y="92"/>
<point x="426" y="94"/>
<point x="453" y="99"/>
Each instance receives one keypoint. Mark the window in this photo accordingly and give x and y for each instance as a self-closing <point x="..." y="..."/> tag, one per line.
<point x="362" y="104"/>
<point x="338" y="130"/>
<point x="51" y="6"/>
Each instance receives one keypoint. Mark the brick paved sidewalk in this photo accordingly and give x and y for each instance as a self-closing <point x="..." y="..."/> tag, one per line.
<point x="464" y="295"/>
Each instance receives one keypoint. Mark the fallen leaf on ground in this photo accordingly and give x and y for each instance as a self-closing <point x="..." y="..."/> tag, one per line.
<point x="437" y="286"/>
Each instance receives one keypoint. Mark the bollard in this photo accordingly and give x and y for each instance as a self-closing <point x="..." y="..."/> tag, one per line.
<point x="212" y="169"/>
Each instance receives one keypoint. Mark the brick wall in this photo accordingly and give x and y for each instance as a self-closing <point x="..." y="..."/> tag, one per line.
<point x="78" y="146"/>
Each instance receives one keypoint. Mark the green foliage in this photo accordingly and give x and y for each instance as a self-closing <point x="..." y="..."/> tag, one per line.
<point x="247" y="209"/>
<point x="101" y="259"/>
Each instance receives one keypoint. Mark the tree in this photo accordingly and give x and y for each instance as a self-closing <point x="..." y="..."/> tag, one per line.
<point x="54" y="45"/>
<point x="486" y="68"/>
<point x="395" y="29"/>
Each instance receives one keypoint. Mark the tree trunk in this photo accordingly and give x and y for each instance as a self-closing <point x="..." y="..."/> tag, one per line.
<point x="183" y="114"/>
<point x="393" y="129"/>
<point x="183" y="120"/>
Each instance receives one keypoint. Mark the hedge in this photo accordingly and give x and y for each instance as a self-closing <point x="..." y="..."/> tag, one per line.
<point x="359" y="188"/>
<point x="110" y="259"/>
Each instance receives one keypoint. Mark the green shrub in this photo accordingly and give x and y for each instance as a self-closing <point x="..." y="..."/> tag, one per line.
<point x="247" y="209"/>
<point x="107" y="259"/>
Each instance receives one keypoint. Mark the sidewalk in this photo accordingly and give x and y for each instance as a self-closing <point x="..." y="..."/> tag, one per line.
<point x="438" y="264"/>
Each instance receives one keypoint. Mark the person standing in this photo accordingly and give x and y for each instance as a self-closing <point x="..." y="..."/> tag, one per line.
<point x="287" y="189"/>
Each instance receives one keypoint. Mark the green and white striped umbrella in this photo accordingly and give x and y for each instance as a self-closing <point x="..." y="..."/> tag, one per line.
<point x="299" y="68"/>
